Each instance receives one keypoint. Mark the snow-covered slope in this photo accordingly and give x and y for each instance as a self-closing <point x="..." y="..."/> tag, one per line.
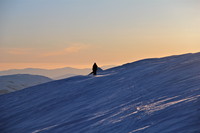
<point x="147" y="96"/>
<point x="10" y="83"/>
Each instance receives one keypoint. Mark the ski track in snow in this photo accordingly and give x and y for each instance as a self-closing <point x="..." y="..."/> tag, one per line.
<point x="44" y="129"/>
<point x="139" y="129"/>
<point x="150" y="108"/>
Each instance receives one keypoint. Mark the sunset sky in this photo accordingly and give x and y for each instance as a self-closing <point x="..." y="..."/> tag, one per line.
<point x="77" y="33"/>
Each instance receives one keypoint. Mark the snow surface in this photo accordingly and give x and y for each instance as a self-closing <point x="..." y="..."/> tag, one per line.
<point x="148" y="96"/>
<point x="11" y="83"/>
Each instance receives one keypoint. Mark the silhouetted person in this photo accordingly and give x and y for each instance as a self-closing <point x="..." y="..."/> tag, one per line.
<point x="94" y="69"/>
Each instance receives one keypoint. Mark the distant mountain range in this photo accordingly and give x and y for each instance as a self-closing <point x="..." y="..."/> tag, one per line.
<point x="52" y="73"/>
<point x="11" y="83"/>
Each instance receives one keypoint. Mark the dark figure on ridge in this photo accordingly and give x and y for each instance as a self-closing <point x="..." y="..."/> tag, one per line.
<point x="94" y="69"/>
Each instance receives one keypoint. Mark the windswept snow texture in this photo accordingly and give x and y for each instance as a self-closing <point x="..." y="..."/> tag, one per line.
<point x="11" y="83"/>
<point x="148" y="96"/>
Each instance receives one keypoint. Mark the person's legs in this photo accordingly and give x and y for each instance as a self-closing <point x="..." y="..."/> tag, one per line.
<point x="94" y="73"/>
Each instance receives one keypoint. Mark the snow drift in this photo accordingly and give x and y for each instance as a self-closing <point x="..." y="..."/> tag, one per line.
<point x="160" y="95"/>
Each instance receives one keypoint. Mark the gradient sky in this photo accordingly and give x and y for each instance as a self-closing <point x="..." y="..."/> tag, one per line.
<point x="76" y="33"/>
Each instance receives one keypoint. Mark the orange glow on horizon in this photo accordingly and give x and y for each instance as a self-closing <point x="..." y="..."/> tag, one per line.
<point x="73" y="36"/>
<point x="7" y="66"/>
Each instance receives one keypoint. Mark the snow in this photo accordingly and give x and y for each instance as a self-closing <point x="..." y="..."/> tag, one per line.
<point x="139" y="129"/>
<point x="160" y="95"/>
<point x="11" y="83"/>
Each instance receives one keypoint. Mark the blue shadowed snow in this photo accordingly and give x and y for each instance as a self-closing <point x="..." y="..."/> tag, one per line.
<point x="148" y="96"/>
